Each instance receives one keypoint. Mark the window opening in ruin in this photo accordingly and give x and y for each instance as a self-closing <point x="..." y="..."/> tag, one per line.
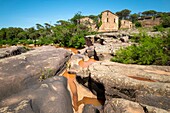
<point x="107" y="13"/>
<point x="107" y="19"/>
<point x="114" y="20"/>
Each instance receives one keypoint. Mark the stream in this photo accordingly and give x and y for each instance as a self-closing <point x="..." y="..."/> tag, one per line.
<point x="81" y="95"/>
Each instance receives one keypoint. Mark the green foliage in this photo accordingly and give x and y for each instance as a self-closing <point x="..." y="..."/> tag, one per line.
<point x="124" y="14"/>
<point x="96" y="19"/>
<point x="158" y="28"/>
<point x="99" y="24"/>
<point x="70" y="35"/>
<point x="46" y="74"/>
<point x="148" y="51"/>
<point x="165" y="21"/>
<point x="22" y="35"/>
<point x="138" y="24"/>
<point x="64" y="33"/>
<point x="119" y="23"/>
<point x="75" y="20"/>
<point x="44" y="41"/>
<point x="149" y="13"/>
<point x="134" y="17"/>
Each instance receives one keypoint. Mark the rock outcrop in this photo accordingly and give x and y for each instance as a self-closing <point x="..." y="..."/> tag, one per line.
<point x="90" y="109"/>
<point x="103" y="46"/>
<point x="51" y="96"/>
<point x="118" y="105"/>
<point x="148" y="85"/>
<point x="21" y="71"/>
<point x="11" y="51"/>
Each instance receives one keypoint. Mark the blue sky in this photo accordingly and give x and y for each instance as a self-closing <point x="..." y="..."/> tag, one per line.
<point x="26" y="13"/>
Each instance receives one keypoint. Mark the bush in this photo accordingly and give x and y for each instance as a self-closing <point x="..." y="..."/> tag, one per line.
<point x="158" y="28"/>
<point x="77" y="41"/>
<point x="166" y="21"/>
<point x="44" y="41"/>
<point x="148" y="51"/>
<point x="138" y="24"/>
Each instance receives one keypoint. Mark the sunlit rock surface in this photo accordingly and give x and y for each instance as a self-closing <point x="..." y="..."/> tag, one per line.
<point x="20" y="72"/>
<point x="49" y="96"/>
<point x="149" y="85"/>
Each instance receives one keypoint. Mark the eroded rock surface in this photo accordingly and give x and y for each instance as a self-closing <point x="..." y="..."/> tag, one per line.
<point x="103" y="46"/>
<point x="11" y="51"/>
<point x="149" y="85"/>
<point x="51" y="96"/>
<point x="117" y="105"/>
<point x="21" y="71"/>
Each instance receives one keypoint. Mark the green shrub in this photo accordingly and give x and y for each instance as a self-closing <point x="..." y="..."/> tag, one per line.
<point x="29" y="41"/>
<point x="158" y="28"/>
<point x="148" y="51"/>
<point x="166" y="21"/>
<point x="138" y="24"/>
<point x="44" y="41"/>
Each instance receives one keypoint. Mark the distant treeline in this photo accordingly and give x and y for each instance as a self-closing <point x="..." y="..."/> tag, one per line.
<point x="63" y="33"/>
<point x="67" y="33"/>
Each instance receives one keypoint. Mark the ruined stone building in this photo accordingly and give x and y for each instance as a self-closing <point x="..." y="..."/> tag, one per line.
<point x="89" y="23"/>
<point x="126" y="24"/>
<point x="110" y="22"/>
<point x="149" y="21"/>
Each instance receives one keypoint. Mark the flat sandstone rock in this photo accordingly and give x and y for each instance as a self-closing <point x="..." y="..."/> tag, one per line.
<point x="20" y="72"/>
<point x="148" y="85"/>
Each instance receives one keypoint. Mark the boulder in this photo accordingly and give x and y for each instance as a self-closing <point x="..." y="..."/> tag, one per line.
<point x="148" y="85"/>
<point x="118" y="105"/>
<point x="21" y="71"/>
<point x="11" y="51"/>
<point x="51" y="96"/>
<point x="90" y="109"/>
<point x="124" y="39"/>
<point x="74" y="67"/>
<point x="89" y="52"/>
<point x="23" y="106"/>
<point x="89" y="40"/>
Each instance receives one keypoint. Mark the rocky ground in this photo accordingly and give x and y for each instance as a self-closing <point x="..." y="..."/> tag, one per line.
<point x="24" y="88"/>
<point x="30" y="81"/>
<point x="125" y="88"/>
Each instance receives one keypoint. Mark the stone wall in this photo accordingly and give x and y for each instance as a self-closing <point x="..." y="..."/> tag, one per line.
<point x="89" y="23"/>
<point x="109" y="22"/>
<point x="126" y="24"/>
<point x="150" y="22"/>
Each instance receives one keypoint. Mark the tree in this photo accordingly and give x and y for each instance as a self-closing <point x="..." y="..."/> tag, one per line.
<point x="134" y="17"/>
<point x="149" y="13"/>
<point x="39" y="26"/>
<point x="138" y="24"/>
<point x="119" y="14"/>
<point x="12" y="32"/>
<point x="30" y="30"/>
<point x="124" y="14"/>
<point x="63" y="22"/>
<point x="22" y="35"/>
<point x="3" y="33"/>
<point x="76" y="19"/>
<point x="47" y="25"/>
